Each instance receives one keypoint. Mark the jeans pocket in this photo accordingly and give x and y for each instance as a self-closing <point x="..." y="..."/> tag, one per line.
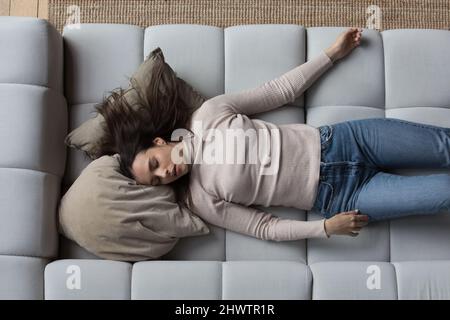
<point x="325" y="194"/>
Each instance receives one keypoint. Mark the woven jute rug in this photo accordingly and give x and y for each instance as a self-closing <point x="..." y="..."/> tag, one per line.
<point x="373" y="14"/>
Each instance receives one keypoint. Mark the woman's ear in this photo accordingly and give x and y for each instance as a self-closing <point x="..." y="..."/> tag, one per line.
<point x="159" y="141"/>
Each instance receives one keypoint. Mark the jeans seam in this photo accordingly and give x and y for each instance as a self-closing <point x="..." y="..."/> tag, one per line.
<point x="331" y="197"/>
<point x="362" y="164"/>
<point x="364" y="185"/>
<point x="447" y="130"/>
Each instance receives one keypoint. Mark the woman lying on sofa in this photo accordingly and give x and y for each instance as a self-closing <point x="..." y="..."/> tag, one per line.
<point x="339" y="170"/>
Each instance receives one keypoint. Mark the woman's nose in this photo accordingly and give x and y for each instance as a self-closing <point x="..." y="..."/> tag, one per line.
<point x="161" y="173"/>
<point x="165" y="173"/>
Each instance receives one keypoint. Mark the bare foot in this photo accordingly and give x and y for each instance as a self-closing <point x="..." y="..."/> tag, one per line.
<point x="344" y="44"/>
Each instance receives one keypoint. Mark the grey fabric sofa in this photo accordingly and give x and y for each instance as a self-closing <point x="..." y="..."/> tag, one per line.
<point x="50" y="82"/>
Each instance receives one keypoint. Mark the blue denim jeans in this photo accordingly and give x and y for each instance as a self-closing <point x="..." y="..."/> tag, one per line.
<point x="355" y="158"/>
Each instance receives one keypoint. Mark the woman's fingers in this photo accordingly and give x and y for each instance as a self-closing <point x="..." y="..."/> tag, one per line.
<point x="348" y="223"/>
<point x="357" y="35"/>
<point x="355" y="30"/>
<point x="358" y="221"/>
<point x="360" y="217"/>
<point x="362" y="224"/>
<point x="358" y="224"/>
<point x="356" y="215"/>
<point x="354" y="212"/>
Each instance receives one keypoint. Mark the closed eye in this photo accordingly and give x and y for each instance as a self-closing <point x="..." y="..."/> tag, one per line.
<point x="153" y="164"/>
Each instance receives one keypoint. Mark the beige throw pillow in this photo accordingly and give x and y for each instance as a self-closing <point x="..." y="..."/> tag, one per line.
<point x="114" y="218"/>
<point x="88" y="135"/>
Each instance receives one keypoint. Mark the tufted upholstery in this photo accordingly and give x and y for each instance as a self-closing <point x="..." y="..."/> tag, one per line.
<point x="396" y="73"/>
<point x="33" y="121"/>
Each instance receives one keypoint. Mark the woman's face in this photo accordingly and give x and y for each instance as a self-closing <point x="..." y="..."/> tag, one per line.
<point x="155" y="166"/>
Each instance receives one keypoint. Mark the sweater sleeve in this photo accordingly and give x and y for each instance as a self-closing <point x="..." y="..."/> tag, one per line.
<point x="277" y="92"/>
<point x="257" y="223"/>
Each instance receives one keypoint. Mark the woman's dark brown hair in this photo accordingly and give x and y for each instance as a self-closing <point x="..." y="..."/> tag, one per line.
<point x="130" y="129"/>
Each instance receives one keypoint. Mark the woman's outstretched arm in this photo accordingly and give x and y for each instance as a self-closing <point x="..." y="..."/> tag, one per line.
<point x="276" y="92"/>
<point x="290" y="85"/>
<point x="257" y="223"/>
<point x="263" y="225"/>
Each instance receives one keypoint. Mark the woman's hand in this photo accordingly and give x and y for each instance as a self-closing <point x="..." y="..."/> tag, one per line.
<point x="344" y="44"/>
<point x="346" y="223"/>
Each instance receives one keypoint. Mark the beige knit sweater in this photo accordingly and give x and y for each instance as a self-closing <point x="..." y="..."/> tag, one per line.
<point x="271" y="165"/>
